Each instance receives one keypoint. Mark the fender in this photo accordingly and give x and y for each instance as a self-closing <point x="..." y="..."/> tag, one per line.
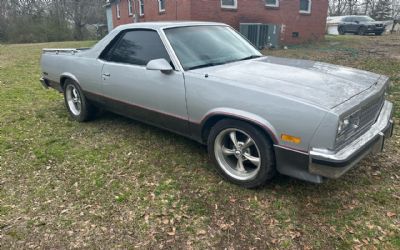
<point x="66" y="75"/>
<point x="241" y="115"/>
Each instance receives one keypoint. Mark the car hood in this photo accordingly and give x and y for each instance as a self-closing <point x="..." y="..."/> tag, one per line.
<point x="321" y="84"/>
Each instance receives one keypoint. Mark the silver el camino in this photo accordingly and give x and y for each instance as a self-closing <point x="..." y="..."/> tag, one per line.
<point x="258" y="115"/>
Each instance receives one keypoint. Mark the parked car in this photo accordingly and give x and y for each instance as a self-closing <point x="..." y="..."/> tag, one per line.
<point x="258" y="114"/>
<point x="360" y="25"/>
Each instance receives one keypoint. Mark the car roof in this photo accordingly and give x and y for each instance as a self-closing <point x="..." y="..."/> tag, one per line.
<point x="164" y="24"/>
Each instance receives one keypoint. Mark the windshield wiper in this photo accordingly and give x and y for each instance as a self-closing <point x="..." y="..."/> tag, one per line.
<point x="215" y="64"/>
<point x="205" y="65"/>
<point x="250" y="57"/>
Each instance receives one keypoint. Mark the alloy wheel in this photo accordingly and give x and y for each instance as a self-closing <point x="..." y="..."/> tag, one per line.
<point x="74" y="100"/>
<point x="237" y="154"/>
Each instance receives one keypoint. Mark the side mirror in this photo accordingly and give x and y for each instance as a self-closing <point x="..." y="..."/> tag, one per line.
<point x="159" y="64"/>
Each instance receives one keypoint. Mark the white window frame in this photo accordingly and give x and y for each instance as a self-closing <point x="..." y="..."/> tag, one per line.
<point x="130" y="9"/>
<point x="234" y="6"/>
<point x="272" y="5"/>
<point x="118" y="11"/>
<point x="159" y="6"/>
<point x="141" y="7"/>
<point x="309" y="8"/>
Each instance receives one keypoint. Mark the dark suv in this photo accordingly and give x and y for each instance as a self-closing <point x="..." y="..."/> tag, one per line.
<point x="361" y="25"/>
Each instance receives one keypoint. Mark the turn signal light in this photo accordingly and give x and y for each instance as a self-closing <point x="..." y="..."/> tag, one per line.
<point x="290" y="138"/>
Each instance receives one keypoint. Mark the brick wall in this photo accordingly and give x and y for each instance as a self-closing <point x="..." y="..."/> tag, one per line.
<point x="174" y="10"/>
<point x="309" y="26"/>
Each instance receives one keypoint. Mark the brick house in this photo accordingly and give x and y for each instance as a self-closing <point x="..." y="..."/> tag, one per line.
<point x="301" y="20"/>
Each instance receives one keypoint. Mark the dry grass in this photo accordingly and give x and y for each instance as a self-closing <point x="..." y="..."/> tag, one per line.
<point x="116" y="183"/>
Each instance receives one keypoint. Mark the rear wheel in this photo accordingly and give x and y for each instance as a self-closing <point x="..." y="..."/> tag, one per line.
<point x="79" y="108"/>
<point x="341" y="31"/>
<point x="241" y="153"/>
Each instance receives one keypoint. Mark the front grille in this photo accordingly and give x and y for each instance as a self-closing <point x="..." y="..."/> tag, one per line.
<point x="364" y="119"/>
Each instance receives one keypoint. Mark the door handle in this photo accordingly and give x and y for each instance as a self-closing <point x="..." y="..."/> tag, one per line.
<point x="106" y="74"/>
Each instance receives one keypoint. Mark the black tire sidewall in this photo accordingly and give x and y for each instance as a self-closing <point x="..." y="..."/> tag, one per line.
<point x="267" y="170"/>
<point x="85" y="113"/>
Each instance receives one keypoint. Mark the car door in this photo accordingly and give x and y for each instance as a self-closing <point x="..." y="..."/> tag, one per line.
<point x="349" y="24"/>
<point x="354" y="24"/>
<point x="346" y="24"/>
<point x="130" y="89"/>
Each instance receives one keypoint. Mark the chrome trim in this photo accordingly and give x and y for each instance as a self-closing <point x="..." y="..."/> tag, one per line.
<point x="57" y="51"/>
<point x="170" y="50"/>
<point x="371" y="141"/>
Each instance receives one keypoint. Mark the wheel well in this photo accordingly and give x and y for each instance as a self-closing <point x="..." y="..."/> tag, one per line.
<point x="62" y="81"/>
<point x="214" y="119"/>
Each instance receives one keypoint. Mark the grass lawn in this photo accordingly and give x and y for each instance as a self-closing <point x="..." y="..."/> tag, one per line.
<point x="116" y="183"/>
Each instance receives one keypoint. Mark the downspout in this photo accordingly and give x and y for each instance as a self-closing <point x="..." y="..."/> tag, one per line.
<point x="176" y="9"/>
<point x="135" y="11"/>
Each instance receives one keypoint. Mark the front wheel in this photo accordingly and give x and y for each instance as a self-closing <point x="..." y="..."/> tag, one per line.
<point x="378" y="33"/>
<point x="242" y="153"/>
<point x="341" y="31"/>
<point x="78" y="106"/>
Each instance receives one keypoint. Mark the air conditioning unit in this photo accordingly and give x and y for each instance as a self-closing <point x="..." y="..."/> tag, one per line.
<point x="256" y="33"/>
<point x="262" y="35"/>
<point x="274" y="34"/>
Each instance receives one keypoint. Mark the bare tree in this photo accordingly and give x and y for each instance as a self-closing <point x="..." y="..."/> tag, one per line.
<point x="83" y="12"/>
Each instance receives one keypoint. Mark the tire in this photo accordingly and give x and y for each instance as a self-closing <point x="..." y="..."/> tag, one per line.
<point x="79" y="108"/>
<point x="341" y="31"/>
<point x="251" y="163"/>
<point x="361" y="31"/>
<point x="378" y="33"/>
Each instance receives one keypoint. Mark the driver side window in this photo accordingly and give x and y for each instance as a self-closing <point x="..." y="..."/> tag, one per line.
<point x="137" y="47"/>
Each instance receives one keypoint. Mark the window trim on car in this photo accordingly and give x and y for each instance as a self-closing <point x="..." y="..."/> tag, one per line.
<point x="234" y="6"/>
<point x="141" y="7"/>
<point x="276" y="5"/>
<point x="309" y="7"/>
<point x="130" y="8"/>
<point x="159" y="6"/>
<point x="118" y="10"/>
<point x="176" y="65"/>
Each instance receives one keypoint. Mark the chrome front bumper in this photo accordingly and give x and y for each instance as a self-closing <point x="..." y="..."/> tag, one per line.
<point x="333" y="164"/>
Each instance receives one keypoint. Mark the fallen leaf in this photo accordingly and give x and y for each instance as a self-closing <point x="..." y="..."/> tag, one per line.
<point x="202" y="232"/>
<point x="390" y="214"/>
<point x="173" y="232"/>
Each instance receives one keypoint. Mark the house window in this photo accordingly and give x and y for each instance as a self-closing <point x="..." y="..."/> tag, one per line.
<point x="118" y="11"/>
<point x="305" y="6"/>
<point x="229" y="4"/>
<point x="141" y="9"/>
<point x="272" y="3"/>
<point x="161" y="5"/>
<point x="130" y="11"/>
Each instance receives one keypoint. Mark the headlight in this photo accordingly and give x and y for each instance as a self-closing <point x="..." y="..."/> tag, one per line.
<point x="349" y="123"/>
<point x="343" y="124"/>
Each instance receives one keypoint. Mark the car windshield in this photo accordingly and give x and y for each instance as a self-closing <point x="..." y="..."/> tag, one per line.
<point x="364" y="19"/>
<point x="205" y="46"/>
